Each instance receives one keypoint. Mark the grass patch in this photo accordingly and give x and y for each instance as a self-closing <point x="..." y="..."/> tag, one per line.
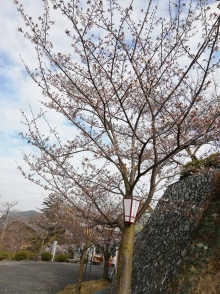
<point x="87" y="287"/>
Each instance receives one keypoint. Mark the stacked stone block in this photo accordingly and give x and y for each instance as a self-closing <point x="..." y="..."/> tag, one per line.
<point x="162" y="243"/>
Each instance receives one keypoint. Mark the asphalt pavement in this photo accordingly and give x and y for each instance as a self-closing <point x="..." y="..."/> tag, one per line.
<point x="29" y="277"/>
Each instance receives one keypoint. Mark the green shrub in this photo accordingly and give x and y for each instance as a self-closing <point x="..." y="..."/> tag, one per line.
<point x="61" y="258"/>
<point x="20" y="255"/>
<point x="4" y="255"/>
<point x="31" y="255"/>
<point x="23" y="255"/>
<point x="46" y="256"/>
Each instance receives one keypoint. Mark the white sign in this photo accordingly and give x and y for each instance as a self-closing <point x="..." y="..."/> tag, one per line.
<point x="54" y="249"/>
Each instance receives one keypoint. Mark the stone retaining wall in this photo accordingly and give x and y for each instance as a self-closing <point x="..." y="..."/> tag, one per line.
<point x="160" y="246"/>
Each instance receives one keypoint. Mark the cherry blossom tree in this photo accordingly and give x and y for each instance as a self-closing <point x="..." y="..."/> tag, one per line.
<point x="136" y="87"/>
<point x="108" y="240"/>
<point x="82" y="233"/>
<point x="78" y="231"/>
<point x="44" y="232"/>
<point x="18" y="235"/>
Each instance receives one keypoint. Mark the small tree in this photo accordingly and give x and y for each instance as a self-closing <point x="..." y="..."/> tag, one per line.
<point x="138" y="90"/>
<point x="108" y="240"/>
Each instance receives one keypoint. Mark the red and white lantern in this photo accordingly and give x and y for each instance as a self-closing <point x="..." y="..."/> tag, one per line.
<point x="131" y="207"/>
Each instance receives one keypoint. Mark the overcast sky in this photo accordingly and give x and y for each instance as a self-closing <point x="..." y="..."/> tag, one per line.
<point x="17" y="91"/>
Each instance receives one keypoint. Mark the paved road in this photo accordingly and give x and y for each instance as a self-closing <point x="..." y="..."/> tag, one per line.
<point x="28" y="277"/>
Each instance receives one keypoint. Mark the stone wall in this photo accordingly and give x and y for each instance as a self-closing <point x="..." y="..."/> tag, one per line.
<point x="160" y="246"/>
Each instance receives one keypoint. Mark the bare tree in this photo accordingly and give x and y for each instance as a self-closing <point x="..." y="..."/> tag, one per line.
<point x="138" y="91"/>
<point x="6" y="218"/>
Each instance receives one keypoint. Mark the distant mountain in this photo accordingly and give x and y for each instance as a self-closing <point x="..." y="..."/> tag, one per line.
<point x="28" y="213"/>
<point x="23" y="214"/>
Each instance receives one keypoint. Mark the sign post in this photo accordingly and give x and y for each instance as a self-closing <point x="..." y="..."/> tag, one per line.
<point x="54" y="249"/>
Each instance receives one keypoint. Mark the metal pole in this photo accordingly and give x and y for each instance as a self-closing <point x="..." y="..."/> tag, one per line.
<point x="91" y="262"/>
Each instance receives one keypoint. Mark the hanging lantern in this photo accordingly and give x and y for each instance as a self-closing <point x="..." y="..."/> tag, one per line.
<point x="131" y="207"/>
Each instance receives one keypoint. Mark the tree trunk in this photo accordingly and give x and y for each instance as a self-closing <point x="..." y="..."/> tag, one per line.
<point x="41" y="249"/>
<point x="81" y="267"/>
<point x="2" y="236"/>
<point x="106" y="261"/>
<point x="125" y="260"/>
<point x="4" y="228"/>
